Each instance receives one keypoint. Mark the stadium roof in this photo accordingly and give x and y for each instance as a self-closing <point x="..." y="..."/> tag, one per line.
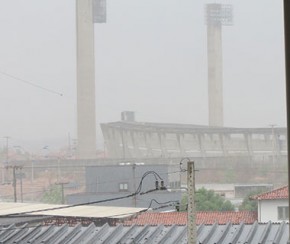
<point x="167" y="127"/>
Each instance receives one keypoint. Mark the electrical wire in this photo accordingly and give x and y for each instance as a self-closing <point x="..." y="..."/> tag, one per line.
<point x="31" y="83"/>
<point x="100" y="183"/>
<point x="112" y="181"/>
<point x="27" y="226"/>
<point x="86" y="203"/>
<point x="168" y="202"/>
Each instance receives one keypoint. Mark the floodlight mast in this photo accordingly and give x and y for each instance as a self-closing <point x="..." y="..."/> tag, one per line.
<point x="216" y="15"/>
<point x="88" y="12"/>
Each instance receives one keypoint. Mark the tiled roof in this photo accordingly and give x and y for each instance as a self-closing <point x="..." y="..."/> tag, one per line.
<point x="280" y="193"/>
<point x="206" y="234"/>
<point x="180" y="218"/>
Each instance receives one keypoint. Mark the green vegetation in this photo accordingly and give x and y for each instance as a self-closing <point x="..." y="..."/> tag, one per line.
<point x="248" y="204"/>
<point x="52" y="196"/>
<point x="208" y="200"/>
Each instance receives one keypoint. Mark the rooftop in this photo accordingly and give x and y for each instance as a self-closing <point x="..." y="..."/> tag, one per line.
<point x="180" y="218"/>
<point x="91" y="211"/>
<point x="229" y="233"/>
<point x="280" y="193"/>
<point x="168" y="127"/>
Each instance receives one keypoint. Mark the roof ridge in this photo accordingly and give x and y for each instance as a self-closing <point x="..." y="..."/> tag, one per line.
<point x="269" y="195"/>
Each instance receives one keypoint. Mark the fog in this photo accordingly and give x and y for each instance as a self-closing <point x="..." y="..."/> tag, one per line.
<point x="151" y="58"/>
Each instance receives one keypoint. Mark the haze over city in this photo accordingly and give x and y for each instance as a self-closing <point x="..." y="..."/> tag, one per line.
<point x="150" y="57"/>
<point x="158" y="121"/>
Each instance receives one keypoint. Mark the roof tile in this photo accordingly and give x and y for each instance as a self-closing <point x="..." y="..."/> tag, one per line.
<point x="180" y="218"/>
<point x="280" y="193"/>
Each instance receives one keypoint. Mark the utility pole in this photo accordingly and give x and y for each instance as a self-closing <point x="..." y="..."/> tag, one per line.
<point x="5" y="174"/>
<point x="62" y="183"/>
<point x="191" y="214"/>
<point x="134" y="184"/>
<point x="58" y="169"/>
<point x="21" y="185"/>
<point x="14" y="182"/>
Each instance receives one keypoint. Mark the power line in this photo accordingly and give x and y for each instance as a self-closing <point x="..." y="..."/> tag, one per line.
<point x="27" y="226"/>
<point x="100" y="183"/>
<point x="95" y="202"/>
<point x="31" y="83"/>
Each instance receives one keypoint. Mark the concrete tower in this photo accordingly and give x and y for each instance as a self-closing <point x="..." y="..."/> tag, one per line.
<point x="216" y="16"/>
<point x="88" y="12"/>
<point x="86" y="114"/>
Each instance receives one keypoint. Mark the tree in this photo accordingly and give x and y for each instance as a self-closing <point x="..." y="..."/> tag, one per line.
<point x="249" y="204"/>
<point x="53" y="195"/>
<point x="208" y="200"/>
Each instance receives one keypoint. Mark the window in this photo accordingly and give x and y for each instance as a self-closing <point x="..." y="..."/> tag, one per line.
<point x="123" y="186"/>
<point x="283" y="213"/>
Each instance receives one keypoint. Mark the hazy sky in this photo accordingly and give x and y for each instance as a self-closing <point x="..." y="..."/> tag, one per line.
<point x="151" y="58"/>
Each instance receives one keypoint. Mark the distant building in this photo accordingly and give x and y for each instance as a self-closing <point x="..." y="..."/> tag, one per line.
<point x="242" y="191"/>
<point x="119" y="181"/>
<point x="131" y="139"/>
<point x="273" y="205"/>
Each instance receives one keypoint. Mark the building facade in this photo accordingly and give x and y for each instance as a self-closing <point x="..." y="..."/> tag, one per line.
<point x="130" y="139"/>
<point x="273" y="205"/>
<point x="131" y="185"/>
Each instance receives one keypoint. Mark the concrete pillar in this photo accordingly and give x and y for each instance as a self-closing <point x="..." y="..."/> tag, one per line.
<point x="86" y="113"/>
<point x="223" y="143"/>
<point x="163" y="147"/>
<point x="201" y="145"/>
<point x="117" y="134"/>
<point x="135" y="144"/>
<point x="216" y="16"/>
<point x="147" y="139"/>
<point x="114" y="142"/>
<point x="125" y="151"/>
<point x="180" y="140"/>
<point x="215" y="73"/>
<point x="249" y="146"/>
<point x="109" y="140"/>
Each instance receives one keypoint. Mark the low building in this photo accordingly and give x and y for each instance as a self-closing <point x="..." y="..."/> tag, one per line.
<point x="273" y="205"/>
<point x="48" y="214"/>
<point x="131" y="185"/>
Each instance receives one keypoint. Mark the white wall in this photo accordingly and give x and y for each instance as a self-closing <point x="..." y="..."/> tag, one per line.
<point x="268" y="209"/>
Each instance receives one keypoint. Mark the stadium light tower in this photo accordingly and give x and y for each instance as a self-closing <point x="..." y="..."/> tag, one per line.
<point x="217" y="15"/>
<point x="88" y="12"/>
